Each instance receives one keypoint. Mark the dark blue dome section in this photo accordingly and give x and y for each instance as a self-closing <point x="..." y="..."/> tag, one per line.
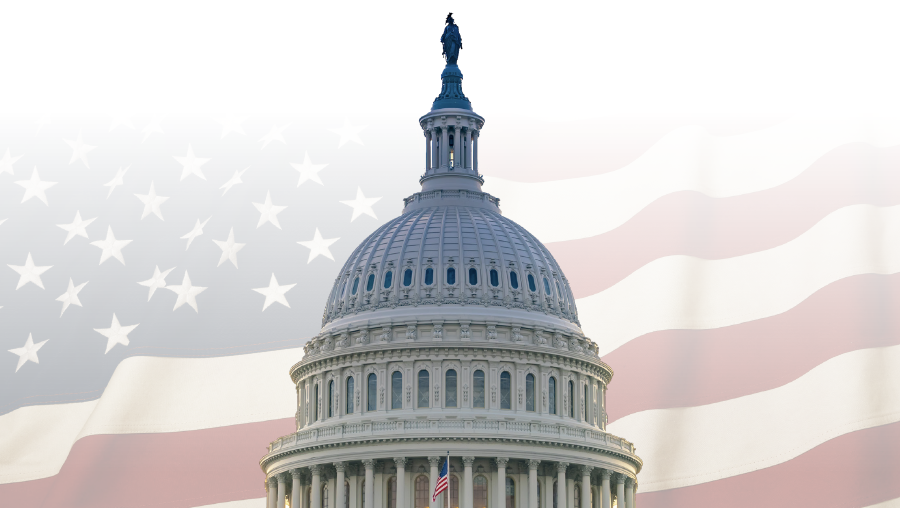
<point x="451" y="95"/>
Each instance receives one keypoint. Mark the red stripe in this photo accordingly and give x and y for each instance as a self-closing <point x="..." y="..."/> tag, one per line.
<point x="171" y="470"/>
<point x="692" y="224"/>
<point x="853" y="470"/>
<point x="679" y="368"/>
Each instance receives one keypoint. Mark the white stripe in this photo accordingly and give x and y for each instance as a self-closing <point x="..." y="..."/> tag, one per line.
<point x="244" y="503"/>
<point x="683" y="292"/>
<point x="150" y="395"/>
<point x="685" y="159"/>
<point x="890" y="503"/>
<point x="687" y="446"/>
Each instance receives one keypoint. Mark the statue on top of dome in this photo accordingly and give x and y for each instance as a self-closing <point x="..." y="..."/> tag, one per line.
<point x="451" y="40"/>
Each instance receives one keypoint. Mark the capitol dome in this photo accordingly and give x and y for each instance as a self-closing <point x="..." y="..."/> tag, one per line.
<point x="451" y="338"/>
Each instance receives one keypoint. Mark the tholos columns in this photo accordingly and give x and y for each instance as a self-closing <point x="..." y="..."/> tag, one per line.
<point x="533" y="483"/>
<point x="501" y="480"/>
<point x="604" y="489"/>
<point x="272" y="493"/>
<point x="468" y="148"/>
<point x="281" y="491"/>
<point x="370" y="483"/>
<point x="620" y="491"/>
<point x="297" y="489"/>
<point x="629" y="493"/>
<point x="339" y="484"/>
<point x="467" y="486"/>
<point x="432" y="479"/>
<point x="316" y="495"/>
<point x="561" y="483"/>
<point x="445" y="148"/>
<point x="585" y="487"/>
<point x="427" y="149"/>
<point x="477" y="135"/>
<point x="435" y="146"/>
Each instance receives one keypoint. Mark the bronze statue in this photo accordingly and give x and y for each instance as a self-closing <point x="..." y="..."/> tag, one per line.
<point x="451" y="40"/>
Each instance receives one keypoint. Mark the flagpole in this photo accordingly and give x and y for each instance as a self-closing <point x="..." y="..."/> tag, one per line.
<point x="448" y="479"/>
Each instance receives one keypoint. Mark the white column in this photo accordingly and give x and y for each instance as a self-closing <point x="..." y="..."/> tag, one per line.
<point x="501" y="482"/>
<point x="445" y="147"/>
<point x="585" y="487"/>
<point x="598" y="499"/>
<point x="432" y="481"/>
<point x="634" y="501"/>
<point x="469" y="150"/>
<point x="379" y="485"/>
<point x="279" y="500"/>
<point x="561" y="484"/>
<point x="370" y="483"/>
<point x="629" y="493"/>
<point x="316" y="498"/>
<point x="354" y="492"/>
<point x="570" y="493"/>
<point x="272" y="493"/>
<point x="400" y="462"/>
<point x="296" y="489"/>
<point x="435" y="152"/>
<point x="427" y="149"/>
<point x="547" y="493"/>
<point x="533" y="483"/>
<point x="475" y="157"/>
<point x="604" y="489"/>
<point x="620" y="491"/>
<point x="339" y="492"/>
<point x="467" y="485"/>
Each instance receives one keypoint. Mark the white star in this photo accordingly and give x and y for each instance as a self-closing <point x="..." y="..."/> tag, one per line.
<point x="361" y="205"/>
<point x="116" y="181"/>
<point x="79" y="150"/>
<point x="111" y="247"/>
<point x="348" y="133"/>
<point x="157" y="281"/>
<point x="275" y="293"/>
<point x="194" y="233"/>
<point x="30" y="273"/>
<point x="319" y="246"/>
<point x="3" y="220"/>
<point x="6" y="163"/>
<point x="116" y="333"/>
<point x="229" y="249"/>
<point x="151" y="203"/>
<point x="186" y="292"/>
<point x="268" y="212"/>
<point x="35" y="187"/>
<point x="70" y="297"/>
<point x="120" y="120"/>
<point x="232" y="123"/>
<point x="28" y="352"/>
<point x="191" y="164"/>
<point x="152" y="127"/>
<point x="274" y="135"/>
<point x="236" y="179"/>
<point x="308" y="170"/>
<point x="76" y="227"/>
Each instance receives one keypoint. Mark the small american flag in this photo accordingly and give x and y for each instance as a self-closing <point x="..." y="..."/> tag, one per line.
<point x="443" y="479"/>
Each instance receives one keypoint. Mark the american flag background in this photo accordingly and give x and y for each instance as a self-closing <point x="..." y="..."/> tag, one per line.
<point x="180" y="182"/>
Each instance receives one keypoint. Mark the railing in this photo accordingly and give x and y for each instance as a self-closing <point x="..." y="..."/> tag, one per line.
<point x="459" y="194"/>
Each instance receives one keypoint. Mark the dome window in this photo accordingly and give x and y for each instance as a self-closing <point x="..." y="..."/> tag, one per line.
<point x="531" y="284"/>
<point x="505" y="390"/>
<point x="514" y="280"/>
<point x="429" y="276"/>
<point x="388" y="279"/>
<point x="451" y="276"/>
<point x="370" y="283"/>
<point x="473" y="276"/>
<point x="355" y="286"/>
<point x="495" y="278"/>
<point x="547" y="286"/>
<point x="397" y="390"/>
<point x="478" y="389"/>
<point x="407" y="278"/>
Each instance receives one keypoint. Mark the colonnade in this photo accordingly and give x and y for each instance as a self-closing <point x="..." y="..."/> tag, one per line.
<point x="437" y="148"/>
<point x="288" y="488"/>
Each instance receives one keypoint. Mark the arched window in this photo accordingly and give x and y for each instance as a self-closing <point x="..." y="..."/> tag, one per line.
<point x="397" y="390"/>
<point x="423" y="388"/>
<point x="324" y="495"/>
<point x="451" y="276"/>
<point x="514" y="280"/>
<point x="407" y="278"/>
<point x="370" y="283"/>
<point x="355" y="286"/>
<point x="479" y="492"/>
<point x="330" y="398"/>
<point x="392" y="492"/>
<point x="571" y="399"/>
<point x="586" y="399"/>
<point x="429" y="276"/>
<point x="552" y="390"/>
<point x="547" y="286"/>
<point x="577" y="496"/>
<point x="450" y="389"/>
<point x="511" y="493"/>
<point x="505" y="389"/>
<point x="478" y="389"/>
<point x="316" y="404"/>
<point x="346" y="494"/>
<point x="454" y="491"/>
<point x="473" y="277"/>
<point x="350" y="395"/>
<point x="495" y="278"/>
<point x="531" y="284"/>
<point x="529" y="392"/>
<point x="423" y="497"/>
<point x="388" y="279"/>
<point x="371" y="392"/>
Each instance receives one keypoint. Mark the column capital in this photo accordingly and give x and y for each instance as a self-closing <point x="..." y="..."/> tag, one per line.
<point x="340" y="466"/>
<point x="400" y="462"/>
<point x="296" y="474"/>
<point x="315" y="469"/>
<point x="620" y="478"/>
<point x="533" y="464"/>
<point x="468" y="461"/>
<point x="629" y="482"/>
<point x="605" y="473"/>
<point x="586" y="470"/>
<point x="501" y="462"/>
<point x="561" y="467"/>
<point x="273" y="480"/>
<point x="434" y="461"/>
<point x="369" y="463"/>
